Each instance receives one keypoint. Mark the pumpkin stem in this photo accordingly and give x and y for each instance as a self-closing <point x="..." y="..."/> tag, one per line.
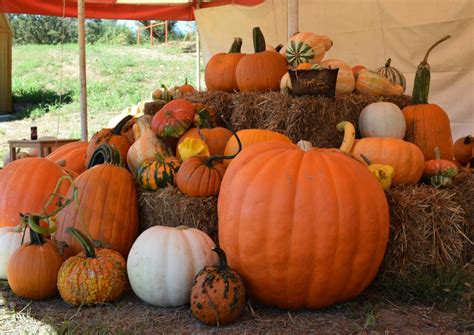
<point x="387" y="63"/>
<point x="365" y="159"/>
<point x="258" y="40"/>
<point x="349" y="135"/>
<point x="278" y="47"/>
<point x="222" y="258"/>
<point x="85" y="242"/>
<point x="304" y="145"/>
<point x="425" y="60"/>
<point x="182" y="227"/>
<point x="105" y="153"/>
<point x="468" y="139"/>
<point x="118" y="128"/>
<point x="236" y="46"/>
<point x="437" y="153"/>
<point x="36" y="231"/>
<point x="210" y="160"/>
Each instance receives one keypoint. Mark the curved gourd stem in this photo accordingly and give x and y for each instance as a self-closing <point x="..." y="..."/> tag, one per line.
<point x="118" y="128"/>
<point x="36" y="231"/>
<point x="209" y="161"/>
<point x="105" y="153"/>
<point x="387" y="63"/>
<point x="85" y="242"/>
<point x="278" y="47"/>
<point x="349" y="136"/>
<point x="437" y="153"/>
<point x="258" y="40"/>
<point x="425" y="60"/>
<point x="365" y="159"/>
<point x="222" y="258"/>
<point x="236" y="46"/>
<point x="468" y="140"/>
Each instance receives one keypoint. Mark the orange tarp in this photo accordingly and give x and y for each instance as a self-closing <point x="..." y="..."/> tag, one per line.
<point x="110" y="9"/>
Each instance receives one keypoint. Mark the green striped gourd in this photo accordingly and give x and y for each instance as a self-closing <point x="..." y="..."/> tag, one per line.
<point x="158" y="173"/>
<point x="392" y="74"/>
<point x="306" y="48"/>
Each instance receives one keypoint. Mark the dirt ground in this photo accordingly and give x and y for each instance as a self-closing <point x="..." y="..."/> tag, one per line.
<point x="369" y="313"/>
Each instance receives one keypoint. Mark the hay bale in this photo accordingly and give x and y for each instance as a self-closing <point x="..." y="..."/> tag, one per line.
<point x="311" y="118"/>
<point x="169" y="207"/>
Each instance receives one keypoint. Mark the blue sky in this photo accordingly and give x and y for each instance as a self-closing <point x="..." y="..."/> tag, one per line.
<point x="183" y="26"/>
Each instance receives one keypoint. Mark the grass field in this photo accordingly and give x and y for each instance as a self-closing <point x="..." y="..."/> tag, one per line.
<point x="46" y="85"/>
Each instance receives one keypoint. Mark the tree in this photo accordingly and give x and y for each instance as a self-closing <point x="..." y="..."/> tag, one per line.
<point x="40" y="29"/>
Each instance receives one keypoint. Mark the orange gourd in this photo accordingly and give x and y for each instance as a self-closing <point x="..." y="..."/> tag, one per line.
<point x="108" y="205"/>
<point x="314" y="218"/>
<point x="464" y="150"/>
<point x="74" y="155"/>
<point x="262" y="70"/>
<point x="369" y="82"/>
<point x="220" y="70"/>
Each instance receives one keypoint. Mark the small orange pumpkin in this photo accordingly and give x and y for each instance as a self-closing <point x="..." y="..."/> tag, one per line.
<point x="464" y="150"/>
<point x="218" y="293"/>
<point x="439" y="172"/>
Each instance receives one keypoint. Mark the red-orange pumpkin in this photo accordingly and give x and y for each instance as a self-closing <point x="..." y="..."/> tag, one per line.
<point x="173" y="119"/>
<point x="220" y="70"/>
<point x="464" y="150"/>
<point x="317" y="219"/>
<point x="262" y="70"/>
<point x="74" y="155"/>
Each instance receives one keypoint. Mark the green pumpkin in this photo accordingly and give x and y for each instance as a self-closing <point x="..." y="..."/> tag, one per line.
<point x="159" y="173"/>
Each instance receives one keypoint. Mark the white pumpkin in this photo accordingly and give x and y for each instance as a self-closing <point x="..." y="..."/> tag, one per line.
<point x="382" y="119"/>
<point x="163" y="262"/>
<point x="345" y="82"/>
<point x="10" y="240"/>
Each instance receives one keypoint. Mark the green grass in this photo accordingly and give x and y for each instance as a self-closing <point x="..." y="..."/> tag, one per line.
<point x="46" y="83"/>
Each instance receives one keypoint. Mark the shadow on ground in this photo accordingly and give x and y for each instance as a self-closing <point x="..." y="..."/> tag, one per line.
<point x="34" y="103"/>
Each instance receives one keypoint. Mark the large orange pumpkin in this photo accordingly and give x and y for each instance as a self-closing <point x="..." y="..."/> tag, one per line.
<point x="428" y="125"/>
<point x="220" y="70"/>
<point x="262" y="70"/>
<point x="25" y="185"/>
<point x="249" y="137"/>
<point x="108" y="207"/>
<point x="215" y="138"/>
<point x="303" y="228"/>
<point x="74" y="155"/>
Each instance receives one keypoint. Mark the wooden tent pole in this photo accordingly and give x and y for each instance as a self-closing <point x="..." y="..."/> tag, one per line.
<point x="198" y="54"/>
<point x="293" y="13"/>
<point x="82" y="67"/>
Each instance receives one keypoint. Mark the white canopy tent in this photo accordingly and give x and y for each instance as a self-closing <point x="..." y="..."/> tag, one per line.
<point x="368" y="32"/>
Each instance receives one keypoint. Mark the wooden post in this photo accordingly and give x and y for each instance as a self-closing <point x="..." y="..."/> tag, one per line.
<point x="198" y="54"/>
<point x="166" y="32"/>
<point x="82" y="67"/>
<point x="151" y="36"/>
<point x="293" y="13"/>
<point x="138" y="40"/>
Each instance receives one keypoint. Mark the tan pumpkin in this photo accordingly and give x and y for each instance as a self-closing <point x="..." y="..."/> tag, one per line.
<point x="345" y="77"/>
<point x="369" y="82"/>
<point x="146" y="145"/>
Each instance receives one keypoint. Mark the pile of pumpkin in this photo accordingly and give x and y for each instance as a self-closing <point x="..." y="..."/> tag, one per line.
<point x="303" y="226"/>
<point x="267" y="68"/>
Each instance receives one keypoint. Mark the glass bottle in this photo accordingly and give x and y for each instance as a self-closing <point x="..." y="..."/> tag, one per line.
<point x="33" y="130"/>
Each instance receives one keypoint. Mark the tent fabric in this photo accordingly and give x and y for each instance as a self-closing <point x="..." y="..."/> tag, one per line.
<point x="111" y="9"/>
<point x="368" y="32"/>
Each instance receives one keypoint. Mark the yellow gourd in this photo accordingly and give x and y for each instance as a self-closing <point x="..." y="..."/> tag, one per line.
<point x="192" y="147"/>
<point x="383" y="173"/>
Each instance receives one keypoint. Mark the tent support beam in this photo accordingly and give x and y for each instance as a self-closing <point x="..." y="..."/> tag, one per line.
<point x="82" y="67"/>
<point x="293" y="13"/>
<point x="198" y="53"/>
